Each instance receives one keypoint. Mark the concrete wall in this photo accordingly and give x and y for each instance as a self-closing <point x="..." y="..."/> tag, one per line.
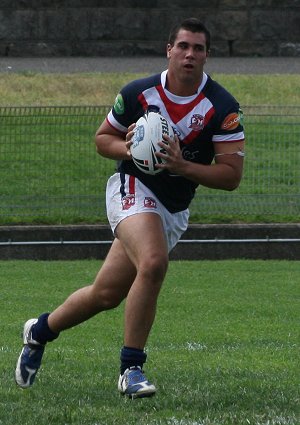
<point x="136" y="27"/>
<point x="200" y="242"/>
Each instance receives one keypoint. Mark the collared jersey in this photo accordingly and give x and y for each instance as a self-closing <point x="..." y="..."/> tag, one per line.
<point x="210" y="116"/>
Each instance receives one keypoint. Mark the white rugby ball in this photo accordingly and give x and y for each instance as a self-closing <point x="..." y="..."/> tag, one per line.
<point x="148" y="132"/>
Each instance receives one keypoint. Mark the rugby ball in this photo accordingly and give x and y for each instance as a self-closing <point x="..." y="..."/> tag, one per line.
<point x="148" y="132"/>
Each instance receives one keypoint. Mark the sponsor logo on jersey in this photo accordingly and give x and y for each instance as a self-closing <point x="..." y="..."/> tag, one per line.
<point x="128" y="201"/>
<point x="149" y="202"/>
<point x="197" y="122"/>
<point x="231" y="122"/>
<point x="119" y="104"/>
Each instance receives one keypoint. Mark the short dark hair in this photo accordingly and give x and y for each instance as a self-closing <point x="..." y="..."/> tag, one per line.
<point x="190" y="24"/>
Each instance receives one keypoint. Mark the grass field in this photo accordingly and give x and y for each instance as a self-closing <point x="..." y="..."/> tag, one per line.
<point x="57" y="177"/>
<point x="36" y="89"/>
<point x="224" y="349"/>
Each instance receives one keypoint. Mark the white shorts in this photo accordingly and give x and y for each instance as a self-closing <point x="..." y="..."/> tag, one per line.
<point x="129" y="197"/>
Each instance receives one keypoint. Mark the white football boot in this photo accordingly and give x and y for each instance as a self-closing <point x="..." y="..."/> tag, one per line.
<point x="134" y="384"/>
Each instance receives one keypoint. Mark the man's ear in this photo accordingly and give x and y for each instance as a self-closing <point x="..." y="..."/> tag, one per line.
<point x="169" y="47"/>
<point x="207" y="55"/>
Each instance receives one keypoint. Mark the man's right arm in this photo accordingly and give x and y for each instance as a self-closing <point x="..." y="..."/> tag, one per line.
<point x="111" y="143"/>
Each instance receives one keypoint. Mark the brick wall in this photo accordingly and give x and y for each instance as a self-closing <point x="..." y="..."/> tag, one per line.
<point x="136" y="27"/>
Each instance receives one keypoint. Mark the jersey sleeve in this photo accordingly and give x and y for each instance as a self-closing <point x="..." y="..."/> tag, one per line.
<point x="119" y="117"/>
<point x="129" y="106"/>
<point x="229" y="124"/>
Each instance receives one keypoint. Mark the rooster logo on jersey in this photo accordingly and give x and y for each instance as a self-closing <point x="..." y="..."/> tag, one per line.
<point x="197" y="122"/>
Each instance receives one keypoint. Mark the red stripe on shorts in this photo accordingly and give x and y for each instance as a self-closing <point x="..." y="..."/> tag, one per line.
<point x="131" y="185"/>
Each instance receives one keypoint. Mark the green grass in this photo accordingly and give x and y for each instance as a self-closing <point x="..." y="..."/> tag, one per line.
<point x="224" y="349"/>
<point x="36" y="89"/>
<point x="57" y="177"/>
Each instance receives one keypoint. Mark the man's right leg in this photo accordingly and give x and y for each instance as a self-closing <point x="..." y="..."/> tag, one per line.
<point x="110" y="287"/>
<point x="147" y="248"/>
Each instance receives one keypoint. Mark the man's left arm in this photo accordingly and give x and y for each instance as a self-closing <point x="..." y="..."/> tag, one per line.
<point x="225" y="173"/>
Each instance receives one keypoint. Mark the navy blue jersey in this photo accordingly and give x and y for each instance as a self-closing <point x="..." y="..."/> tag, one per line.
<point x="210" y="116"/>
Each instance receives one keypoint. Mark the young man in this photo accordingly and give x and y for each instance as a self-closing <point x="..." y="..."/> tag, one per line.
<point x="206" y="121"/>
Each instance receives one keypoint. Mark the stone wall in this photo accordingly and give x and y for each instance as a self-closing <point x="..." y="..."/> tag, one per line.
<point x="139" y="27"/>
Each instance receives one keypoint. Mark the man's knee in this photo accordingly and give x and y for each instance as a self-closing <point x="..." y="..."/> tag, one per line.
<point x="106" y="299"/>
<point x="154" y="267"/>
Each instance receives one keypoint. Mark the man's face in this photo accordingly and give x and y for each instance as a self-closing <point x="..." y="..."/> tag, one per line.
<point x="188" y="55"/>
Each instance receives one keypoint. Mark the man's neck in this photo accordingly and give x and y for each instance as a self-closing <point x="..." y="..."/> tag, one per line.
<point x="182" y="88"/>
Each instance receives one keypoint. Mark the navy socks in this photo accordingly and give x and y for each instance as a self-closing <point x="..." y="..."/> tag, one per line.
<point x="41" y="331"/>
<point x="129" y="356"/>
<point x="132" y="357"/>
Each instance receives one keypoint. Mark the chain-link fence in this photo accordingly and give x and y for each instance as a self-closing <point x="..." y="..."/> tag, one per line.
<point x="50" y="171"/>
